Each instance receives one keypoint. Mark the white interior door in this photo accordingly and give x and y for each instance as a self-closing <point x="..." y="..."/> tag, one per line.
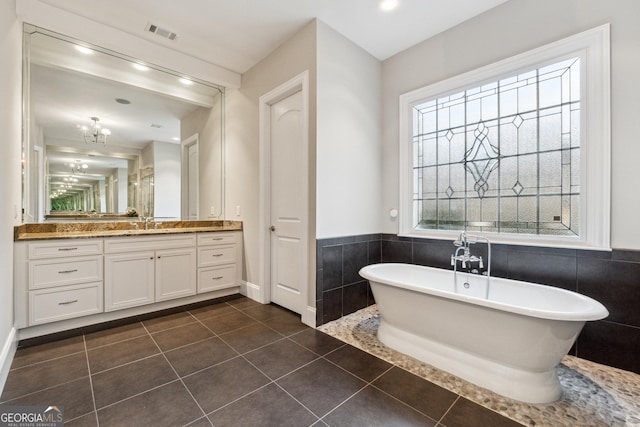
<point x="288" y="203"/>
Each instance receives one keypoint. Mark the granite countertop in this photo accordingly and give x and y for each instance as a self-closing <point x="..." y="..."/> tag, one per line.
<point x="74" y="230"/>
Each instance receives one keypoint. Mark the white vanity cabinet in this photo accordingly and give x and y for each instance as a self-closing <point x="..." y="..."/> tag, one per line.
<point x="64" y="280"/>
<point x="218" y="261"/>
<point x="70" y="282"/>
<point x="143" y="270"/>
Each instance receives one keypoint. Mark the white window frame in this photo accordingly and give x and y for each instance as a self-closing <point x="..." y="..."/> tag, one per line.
<point x="593" y="47"/>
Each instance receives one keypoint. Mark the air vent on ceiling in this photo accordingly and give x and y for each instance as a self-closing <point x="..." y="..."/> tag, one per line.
<point x="162" y="32"/>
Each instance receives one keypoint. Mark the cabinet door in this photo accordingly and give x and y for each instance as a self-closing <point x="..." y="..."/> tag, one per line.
<point x="128" y="280"/>
<point x="175" y="273"/>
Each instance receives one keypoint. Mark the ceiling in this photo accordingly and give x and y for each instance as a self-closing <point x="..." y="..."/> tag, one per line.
<point x="233" y="34"/>
<point x="237" y="34"/>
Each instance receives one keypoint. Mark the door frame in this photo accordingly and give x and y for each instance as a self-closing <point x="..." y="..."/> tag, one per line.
<point x="193" y="140"/>
<point x="296" y="84"/>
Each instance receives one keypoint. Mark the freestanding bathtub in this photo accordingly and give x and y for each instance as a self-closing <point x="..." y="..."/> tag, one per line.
<point x="510" y="342"/>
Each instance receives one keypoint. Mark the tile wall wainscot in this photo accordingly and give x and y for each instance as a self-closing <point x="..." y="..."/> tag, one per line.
<point x="613" y="278"/>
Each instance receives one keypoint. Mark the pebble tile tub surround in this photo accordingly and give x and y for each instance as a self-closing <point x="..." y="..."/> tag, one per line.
<point x="610" y="277"/>
<point x="593" y="395"/>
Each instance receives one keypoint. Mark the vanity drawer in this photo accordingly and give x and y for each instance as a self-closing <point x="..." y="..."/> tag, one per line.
<point x="216" y="255"/>
<point x="211" y="279"/>
<point x="50" y="305"/>
<point x="59" y="272"/>
<point x="208" y="239"/>
<point x="60" y="249"/>
<point x="135" y="244"/>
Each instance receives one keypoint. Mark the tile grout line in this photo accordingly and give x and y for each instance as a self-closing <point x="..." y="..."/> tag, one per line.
<point x="178" y="375"/>
<point x="47" y="360"/>
<point x="93" y="395"/>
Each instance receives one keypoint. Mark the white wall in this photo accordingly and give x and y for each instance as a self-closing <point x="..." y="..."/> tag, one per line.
<point x="10" y="134"/>
<point x="166" y="180"/>
<point x="348" y="163"/>
<point x="512" y="28"/>
<point x="242" y="149"/>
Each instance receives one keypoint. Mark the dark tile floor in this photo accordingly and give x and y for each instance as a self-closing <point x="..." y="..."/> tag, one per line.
<point x="234" y="363"/>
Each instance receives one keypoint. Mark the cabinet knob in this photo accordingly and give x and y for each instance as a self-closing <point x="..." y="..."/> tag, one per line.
<point x="150" y="257"/>
<point x="272" y="228"/>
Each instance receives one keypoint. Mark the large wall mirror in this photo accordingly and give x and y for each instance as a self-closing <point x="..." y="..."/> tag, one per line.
<point x="106" y="136"/>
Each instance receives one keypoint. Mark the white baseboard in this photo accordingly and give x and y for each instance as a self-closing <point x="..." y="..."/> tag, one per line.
<point x="252" y="291"/>
<point x="309" y="316"/>
<point x="6" y="357"/>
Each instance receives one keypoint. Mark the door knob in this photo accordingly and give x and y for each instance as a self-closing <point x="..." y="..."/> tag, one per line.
<point x="272" y="228"/>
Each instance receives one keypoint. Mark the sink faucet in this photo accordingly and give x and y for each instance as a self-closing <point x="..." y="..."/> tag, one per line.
<point x="147" y="220"/>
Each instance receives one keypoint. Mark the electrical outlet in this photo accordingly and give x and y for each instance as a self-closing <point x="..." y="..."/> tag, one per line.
<point x="213" y="211"/>
<point x="238" y="210"/>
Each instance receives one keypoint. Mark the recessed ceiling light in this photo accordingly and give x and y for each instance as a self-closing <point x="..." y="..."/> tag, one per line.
<point x="140" y="67"/>
<point x="185" y="81"/>
<point x="123" y="101"/>
<point x="84" y="49"/>
<point x="175" y="138"/>
<point x="388" y="5"/>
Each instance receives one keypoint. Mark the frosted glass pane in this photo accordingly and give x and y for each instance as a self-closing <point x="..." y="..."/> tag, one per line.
<point x="528" y="173"/>
<point x="429" y="122"/>
<point x="527" y="99"/>
<point x="550" y="93"/>
<point x="474" y="211"/>
<point x="550" y="207"/>
<point x="550" y="172"/>
<point x="527" y="209"/>
<point x="473" y="111"/>
<point x="508" y="209"/>
<point x="508" y="103"/>
<point x="457" y="147"/>
<point x="429" y="182"/>
<point x="457" y="115"/>
<point x="528" y="137"/>
<point x="508" y="139"/>
<point x="490" y="210"/>
<point x="443" y="180"/>
<point x="429" y="154"/>
<point x="457" y="179"/>
<point x="550" y="132"/>
<point x="489" y="107"/>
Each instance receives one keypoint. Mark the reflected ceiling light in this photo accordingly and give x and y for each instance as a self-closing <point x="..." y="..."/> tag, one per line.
<point x="95" y="133"/>
<point x="84" y="49"/>
<point x="175" y="138"/>
<point x="388" y="5"/>
<point x="185" y="81"/>
<point x="140" y="67"/>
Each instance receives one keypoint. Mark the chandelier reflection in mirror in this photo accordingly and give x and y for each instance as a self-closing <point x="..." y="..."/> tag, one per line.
<point x="78" y="167"/>
<point x="95" y="134"/>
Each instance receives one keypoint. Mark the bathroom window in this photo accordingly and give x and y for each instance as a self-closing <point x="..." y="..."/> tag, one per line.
<point x="518" y="150"/>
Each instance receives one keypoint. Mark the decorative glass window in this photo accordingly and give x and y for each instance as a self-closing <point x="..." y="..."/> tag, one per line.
<point x="507" y="149"/>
